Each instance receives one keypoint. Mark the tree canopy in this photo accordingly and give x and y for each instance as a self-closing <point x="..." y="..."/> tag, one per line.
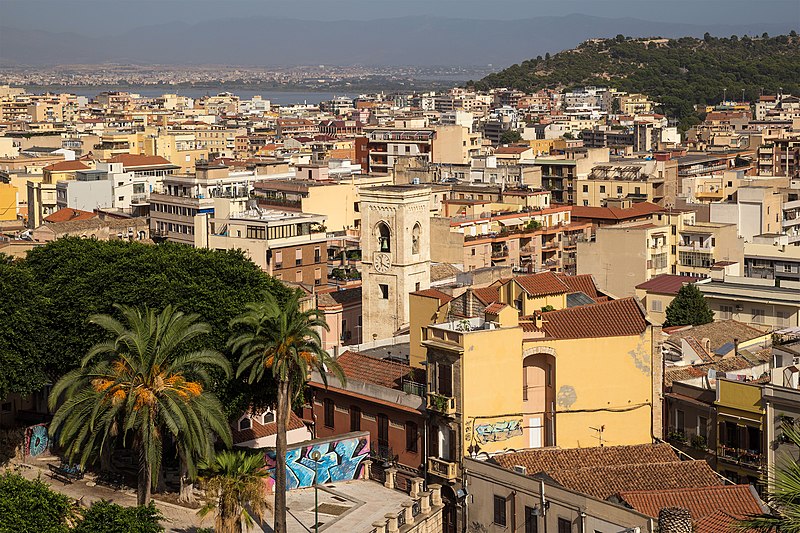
<point x="689" y="308"/>
<point x="27" y="505"/>
<point x="62" y="284"/>
<point x="678" y="73"/>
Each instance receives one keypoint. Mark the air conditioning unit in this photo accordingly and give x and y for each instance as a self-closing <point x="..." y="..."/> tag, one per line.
<point x="519" y="469"/>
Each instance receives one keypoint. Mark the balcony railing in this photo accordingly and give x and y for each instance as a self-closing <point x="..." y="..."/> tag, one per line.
<point x="741" y="456"/>
<point x="443" y="469"/>
<point x="439" y="403"/>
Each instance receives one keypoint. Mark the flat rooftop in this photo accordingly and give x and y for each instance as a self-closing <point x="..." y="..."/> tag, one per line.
<point x="350" y="506"/>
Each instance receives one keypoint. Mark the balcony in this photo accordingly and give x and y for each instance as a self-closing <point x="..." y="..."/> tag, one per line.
<point x="445" y="405"/>
<point x="740" y="456"/>
<point x="443" y="469"/>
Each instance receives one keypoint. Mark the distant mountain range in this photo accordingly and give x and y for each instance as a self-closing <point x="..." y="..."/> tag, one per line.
<point x="419" y="41"/>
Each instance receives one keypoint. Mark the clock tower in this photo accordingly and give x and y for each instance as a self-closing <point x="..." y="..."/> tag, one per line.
<point x="395" y="255"/>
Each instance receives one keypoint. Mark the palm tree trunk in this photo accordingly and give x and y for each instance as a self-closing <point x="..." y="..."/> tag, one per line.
<point x="186" y="494"/>
<point x="145" y="478"/>
<point x="282" y="418"/>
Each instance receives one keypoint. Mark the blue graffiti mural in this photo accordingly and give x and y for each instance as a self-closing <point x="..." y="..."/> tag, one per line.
<point x="498" y="431"/>
<point x="339" y="461"/>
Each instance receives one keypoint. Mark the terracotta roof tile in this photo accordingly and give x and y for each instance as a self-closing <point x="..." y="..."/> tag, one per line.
<point x="135" y="160"/>
<point x="373" y="370"/>
<point x="730" y="364"/>
<point x="495" y="308"/>
<point x="487" y="295"/>
<point x="550" y="460"/>
<point x="605" y="481"/>
<point x="434" y="293"/>
<point x="581" y="283"/>
<point x="440" y="271"/>
<point x="719" y="333"/>
<point x="68" y="214"/>
<point x="258" y="430"/>
<point x="639" y="209"/>
<point x="701" y="502"/>
<point x="666" y="284"/>
<point x="615" y="318"/>
<point x="66" y="166"/>
<point x="719" y="522"/>
<point x="542" y="284"/>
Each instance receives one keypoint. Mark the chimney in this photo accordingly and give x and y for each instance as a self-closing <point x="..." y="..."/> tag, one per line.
<point x="674" y="520"/>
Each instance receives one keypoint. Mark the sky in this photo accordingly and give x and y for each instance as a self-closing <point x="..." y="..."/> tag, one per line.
<point x="92" y="17"/>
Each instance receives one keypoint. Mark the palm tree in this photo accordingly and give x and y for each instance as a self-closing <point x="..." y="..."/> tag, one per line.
<point x="143" y="384"/>
<point x="286" y="342"/>
<point x="783" y="498"/>
<point x="237" y="480"/>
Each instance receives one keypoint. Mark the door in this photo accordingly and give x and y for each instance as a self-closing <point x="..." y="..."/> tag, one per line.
<point x="535" y="431"/>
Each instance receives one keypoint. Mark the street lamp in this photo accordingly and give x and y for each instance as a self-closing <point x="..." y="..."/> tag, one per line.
<point x="315" y="455"/>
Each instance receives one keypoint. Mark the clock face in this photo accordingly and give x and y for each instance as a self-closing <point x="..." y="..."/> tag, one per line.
<point x="381" y="262"/>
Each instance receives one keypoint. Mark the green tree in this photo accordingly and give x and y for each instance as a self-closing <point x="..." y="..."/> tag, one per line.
<point x="510" y="137"/>
<point x="83" y="277"/>
<point x="784" y="497"/>
<point x="236" y="484"/>
<point x="21" y="370"/>
<point x="144" y="384"/>
<point x="107" y="517"/>
<point x="282" y="342"/>
<point x="32" y="506"/>
<point x="688" y="308"/>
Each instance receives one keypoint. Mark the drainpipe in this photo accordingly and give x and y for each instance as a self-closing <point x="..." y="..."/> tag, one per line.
<point x="313" y="415"/>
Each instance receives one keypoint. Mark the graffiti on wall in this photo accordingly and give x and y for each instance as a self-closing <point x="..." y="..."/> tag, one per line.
<point x="498" y="431"/>
<point x="338" y="461"/>
<point x="37" y="441"/>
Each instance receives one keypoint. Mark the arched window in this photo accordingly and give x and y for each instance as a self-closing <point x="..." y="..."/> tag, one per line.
<point x="384" y="238"/>
<point x="415" y="238"/>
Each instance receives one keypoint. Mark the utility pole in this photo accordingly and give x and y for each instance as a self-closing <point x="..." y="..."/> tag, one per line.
<point x="599" y="431"/>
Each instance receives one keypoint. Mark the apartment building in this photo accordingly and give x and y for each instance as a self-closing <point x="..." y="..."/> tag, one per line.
<point x="780" y="155"/>
<point x="772" y="261"/>
<point x="625" y="255"/>
<point x="637" y="180"/>
<point x="182" y="197"/>
<point x="566" y="400"/>
<point x="763" y="303"/>
<point x="289" y="246"/>
<point x="560" y="172"/>
<point x="533" y="240"/>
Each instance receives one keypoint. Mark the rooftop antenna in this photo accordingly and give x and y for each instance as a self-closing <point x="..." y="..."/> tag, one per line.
<point x="599" y="431"/>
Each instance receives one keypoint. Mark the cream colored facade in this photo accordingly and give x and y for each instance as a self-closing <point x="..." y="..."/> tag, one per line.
<point x="625" y="255"/>
<point x="455" y="145"/>
<point x="395" y="255"/>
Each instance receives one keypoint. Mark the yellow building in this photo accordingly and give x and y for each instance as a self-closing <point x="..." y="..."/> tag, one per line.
<point x="549" y="362"/>
<point x="64" y="170"/>
<point x="8" y="201"/>
<point x="740" y="432"/>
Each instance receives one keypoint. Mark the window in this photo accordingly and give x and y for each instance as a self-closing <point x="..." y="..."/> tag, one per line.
<point x="445" y="387"/>
<point x="412" y="436"/>
<point x="256" y="232"/>
<point x="602" y="188"/>
<point x="416" y="286"/>
<point x="500" y="511"/>
<point x="384" y="290"/>
<point x="758" y="316"/>
<point x="317" y="255"/>
<point x="278" y="259"/>
<point x="585" y="188"/>
<point x="327" y="404"/>
<point x="782" y="318"/>
<point x="384" y="238"/>
<point x="355" y="418"/>
<point x="298" y="257"/>
<point x="619" y="190"/>
<point x="725" y="312"/>
<point x="787" y="268"/>
<point x="415" y="239"/>
<point x="680" y="421"/>
<point x="637" y="190"/>
<point x="702" y="427"/>
<point x="383" y="430"/>
<point x="245" y="423"/>
<point x="268" y="417"/>
<point x="564" y="525"/>
<point x="531" y="520"/>
<point x="655" y="305"/>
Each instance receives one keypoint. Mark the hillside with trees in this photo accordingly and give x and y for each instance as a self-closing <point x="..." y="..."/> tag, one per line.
<point x="677" y="73"/>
